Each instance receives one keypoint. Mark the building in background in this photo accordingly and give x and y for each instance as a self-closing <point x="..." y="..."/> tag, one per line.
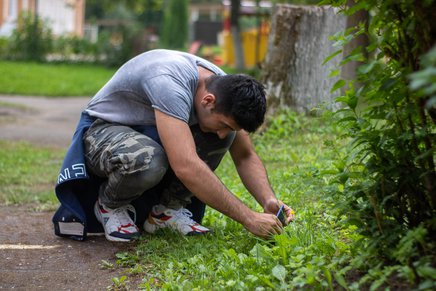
<point x="205" y="22"/>
<point x="65" y="17"/>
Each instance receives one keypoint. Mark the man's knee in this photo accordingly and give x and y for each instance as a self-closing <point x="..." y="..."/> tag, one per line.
<point x="156" y="168"/>
<point x="136" y="156"/>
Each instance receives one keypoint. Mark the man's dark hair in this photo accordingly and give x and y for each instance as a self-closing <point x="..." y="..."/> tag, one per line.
<point x="240" y="97"/>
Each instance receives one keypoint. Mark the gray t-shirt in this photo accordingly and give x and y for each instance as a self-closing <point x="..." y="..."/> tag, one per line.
<point x="159" y="79"/>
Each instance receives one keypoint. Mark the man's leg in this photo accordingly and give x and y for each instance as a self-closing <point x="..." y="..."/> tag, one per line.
<point x="132" y="164"/>
<point x="175" y="196"/>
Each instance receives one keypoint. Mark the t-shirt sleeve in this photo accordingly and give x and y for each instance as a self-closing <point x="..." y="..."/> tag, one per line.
<point x="169" y="96"/>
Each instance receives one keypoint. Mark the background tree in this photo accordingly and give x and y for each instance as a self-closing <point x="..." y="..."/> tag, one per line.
<point x="175" y="25"/>
<point x="298" y="45"/>
<point x="126" y="28"/>
<point x="236" y="34"/>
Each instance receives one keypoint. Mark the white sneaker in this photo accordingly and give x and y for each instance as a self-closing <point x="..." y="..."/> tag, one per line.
<point x="117" y="224"/>
<point x="180" y="220"/>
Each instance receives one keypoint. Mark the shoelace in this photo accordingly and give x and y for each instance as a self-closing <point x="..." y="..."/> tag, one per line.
<point x="184" y="215"/>
<point x="122" y="215"/>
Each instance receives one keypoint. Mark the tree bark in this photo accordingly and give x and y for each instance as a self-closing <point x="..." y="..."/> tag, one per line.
<point x="349" y="69"/>
<point x="293" y="71"/>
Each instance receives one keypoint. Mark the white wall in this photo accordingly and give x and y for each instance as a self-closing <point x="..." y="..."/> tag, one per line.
<point x="60" y="14"/>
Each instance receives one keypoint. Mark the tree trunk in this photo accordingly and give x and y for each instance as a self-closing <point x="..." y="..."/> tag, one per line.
<point x="349" y="69"/>
<point x="236" y="34"/>
<point x="298" y="45"/>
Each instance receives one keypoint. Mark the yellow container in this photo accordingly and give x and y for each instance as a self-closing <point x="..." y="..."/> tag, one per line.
<point x="249" y="42"/>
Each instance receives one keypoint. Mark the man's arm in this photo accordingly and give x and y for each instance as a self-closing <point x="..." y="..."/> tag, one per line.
<point x="253" y="174"/>
<point x="180" y="148"/>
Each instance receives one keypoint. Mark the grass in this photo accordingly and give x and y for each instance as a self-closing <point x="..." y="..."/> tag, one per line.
<point x="54" y="80"/>
<point x="24" y="78"/>
<point x="307" y="255"/>
<point x="28" y="174"/>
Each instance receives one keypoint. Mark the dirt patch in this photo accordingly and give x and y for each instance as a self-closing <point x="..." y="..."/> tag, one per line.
<point x="31" y="256"/>
<point x="34" y="258"/>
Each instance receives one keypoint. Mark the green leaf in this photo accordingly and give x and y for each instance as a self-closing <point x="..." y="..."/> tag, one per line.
<point x="431" y="89"/>
<point x="427" y="285"/>
<point x="260" y="252"/>
<point x="427" y="271"/>
<point x="431" y="103"/>
<point x="340" y="279"/>
<point x="357" y="6"/>
<point x="279" y="272"/>
<point x="339" y="84"/>
<point x="334" y="73"/>
<point x="422" y="78"/>
<point x="348" y="118"/>
<point x="366" y="68"/>
<point x="332" y="56"/>
<point x="343" y="99"/>
<point x="388" y="84"/>
<point x="328" y="276"/>
<point x="352" y="102"/>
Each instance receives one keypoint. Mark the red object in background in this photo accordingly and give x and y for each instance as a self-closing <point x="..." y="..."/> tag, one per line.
<point x="195" y="47"/>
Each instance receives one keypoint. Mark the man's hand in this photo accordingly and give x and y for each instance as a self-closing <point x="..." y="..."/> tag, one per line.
<point x="273" y="205"/>
<point x="263" y="225"/>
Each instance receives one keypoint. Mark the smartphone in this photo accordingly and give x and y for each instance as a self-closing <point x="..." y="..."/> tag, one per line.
<point x="281" y="215"/>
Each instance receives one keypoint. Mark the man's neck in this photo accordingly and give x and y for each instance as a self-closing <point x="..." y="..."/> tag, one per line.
<point x="203" y="74"/>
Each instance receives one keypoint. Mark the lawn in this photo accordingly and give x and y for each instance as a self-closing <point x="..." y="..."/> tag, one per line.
<point x="19" y="161"/>
<point x="54" y="80"/>
<point x="22" y="78"/>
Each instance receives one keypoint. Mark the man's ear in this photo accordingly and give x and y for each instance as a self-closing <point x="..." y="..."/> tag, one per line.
<point x="208" y="99"/>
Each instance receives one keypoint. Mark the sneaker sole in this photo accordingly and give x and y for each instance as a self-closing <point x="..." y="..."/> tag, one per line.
<point x="152" y="227"/>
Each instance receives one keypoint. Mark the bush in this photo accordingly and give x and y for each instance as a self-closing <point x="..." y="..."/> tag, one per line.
<point x="117" y="45"/>
<point x="74" y="49"/>
<point x="31" y="40"/>
<point x="388" y="180"/>
<point x="4" y="47"/>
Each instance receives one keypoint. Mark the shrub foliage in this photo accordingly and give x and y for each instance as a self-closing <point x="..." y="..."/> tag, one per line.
<point x="388" y="180"/>
<point x="32" y="39"/>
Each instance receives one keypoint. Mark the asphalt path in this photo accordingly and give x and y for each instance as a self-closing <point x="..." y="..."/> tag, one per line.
<point x="40" y="120"/>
